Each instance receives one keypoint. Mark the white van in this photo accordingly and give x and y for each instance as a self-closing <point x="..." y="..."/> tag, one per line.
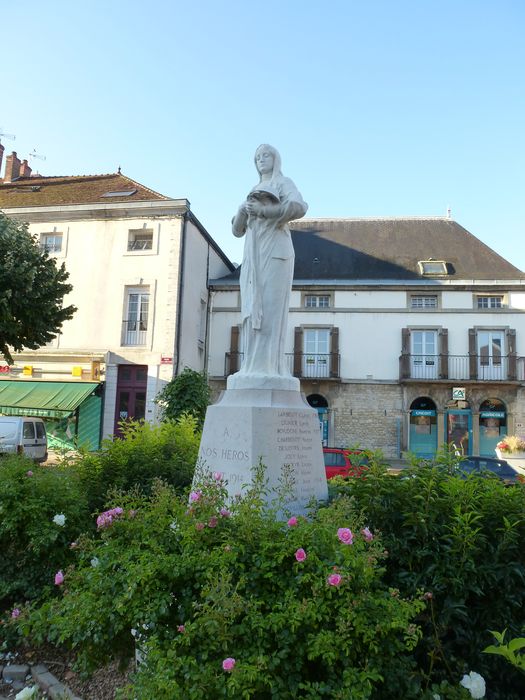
<point x="23" y="435"/>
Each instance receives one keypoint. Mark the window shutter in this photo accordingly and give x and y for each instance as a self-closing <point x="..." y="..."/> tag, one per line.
<point x="511" y="352"/>
<point x="298" y="352"/>
<point x="404" y="360"/>
<point x="443" y="353"/>
<point x="233" y="365"/>
<point x="334" y="353"/>
<point x="473" y="355"/>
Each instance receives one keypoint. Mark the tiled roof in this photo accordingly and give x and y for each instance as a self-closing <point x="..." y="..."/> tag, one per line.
<point x="76" y="189"/>
<point x="390" y="249"/>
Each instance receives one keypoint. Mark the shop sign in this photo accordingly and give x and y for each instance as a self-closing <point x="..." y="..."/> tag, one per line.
<point x="492" y="414"/>
<point x="458" y="393"/>
<point x="164" y="360"/>
<point x="423" y="413"/>
<point x="4" y="369"/>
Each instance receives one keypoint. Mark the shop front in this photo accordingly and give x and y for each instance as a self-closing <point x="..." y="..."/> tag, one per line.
<point x="423" y="428"/>
<point x="492" y="426"/>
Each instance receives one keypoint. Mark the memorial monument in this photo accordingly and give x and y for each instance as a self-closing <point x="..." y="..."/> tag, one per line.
<point x="262" y="415"/>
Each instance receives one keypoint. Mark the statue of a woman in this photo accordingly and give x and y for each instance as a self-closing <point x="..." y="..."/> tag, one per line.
<point x="266" y="271"/>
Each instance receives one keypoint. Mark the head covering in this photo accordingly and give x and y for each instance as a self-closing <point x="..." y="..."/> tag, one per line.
<point x="276" y="159"/>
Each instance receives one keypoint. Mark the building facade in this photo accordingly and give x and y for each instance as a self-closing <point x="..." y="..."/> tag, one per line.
<point x="139" y="263"/>
<point x="405" y="333"/>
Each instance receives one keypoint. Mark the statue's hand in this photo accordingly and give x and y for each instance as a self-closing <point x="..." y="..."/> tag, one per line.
<point x="254" y="208"/>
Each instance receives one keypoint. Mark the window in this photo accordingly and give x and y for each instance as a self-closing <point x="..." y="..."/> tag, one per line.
<point x="424" y="354"/>
<point x="51" y="242"/>
<point x="424" y="301"/>
<point x="136" y="321"/>
<point x="202" y="323"/>
<point x="316" y="352"/>
<point x="317" y="301"/>
<point x="140" y="239"/>
<point x="29" y="431"/>
<point x="489" y="302"/>
<point x="119" y="193"/>
<point x="433" y="267"/>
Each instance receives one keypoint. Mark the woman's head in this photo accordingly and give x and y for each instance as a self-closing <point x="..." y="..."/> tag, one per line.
<point x="267" y="161"/>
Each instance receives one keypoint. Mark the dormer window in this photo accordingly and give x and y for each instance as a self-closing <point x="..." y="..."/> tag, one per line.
<point x="433" y="268"/>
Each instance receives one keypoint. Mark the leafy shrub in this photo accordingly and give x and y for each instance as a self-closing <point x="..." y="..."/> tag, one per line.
<point x="188" y="393"/>
<point x="460" y="540"/>
<point x="146" y="452"/>
<point x="32" y="546"/>
<point x="303" y="611"/>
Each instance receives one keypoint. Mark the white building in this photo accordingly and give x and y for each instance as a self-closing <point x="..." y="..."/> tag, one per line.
<point x="405" y="333"/>
<point x="139" y="264"/>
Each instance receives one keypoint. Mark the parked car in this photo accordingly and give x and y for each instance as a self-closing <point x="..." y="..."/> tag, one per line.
<point x="342" y="462"/>
<point x="484" y="466"/>
<point x="23" y="435"/>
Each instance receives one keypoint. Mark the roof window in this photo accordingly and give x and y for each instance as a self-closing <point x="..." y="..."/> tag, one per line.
<point x="121" y="193"/>
<point x="433" y="268"/>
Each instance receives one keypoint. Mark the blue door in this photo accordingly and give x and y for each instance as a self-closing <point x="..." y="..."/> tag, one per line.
<point x="458" y="431"/>
<point x="423" y="433"/>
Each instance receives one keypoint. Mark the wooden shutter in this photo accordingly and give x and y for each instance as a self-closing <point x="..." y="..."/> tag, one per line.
<point x="334" y="353"/>
<point x="473" y="354"/>
<point x="511" y="352"/>
<point x="443" y="353"/>
<point x="233" y="365"/>
<point x="298" y="352"/>
<point x="404" y="360"/>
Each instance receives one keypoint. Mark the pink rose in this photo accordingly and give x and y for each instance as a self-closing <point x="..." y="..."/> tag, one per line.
<point x="195" y="496"/>
<point x="367" y="534"/>
<point x="292" y="522"/>
<point x="217" y="476"/>
<point x="334" y="580"/>
<point x="199" y="526"/>
<point x="15" y="613"/>
<point x="225" y="513"/>
<point x="212" y="522"/>
<point x="345" y="535"/>
<point x="181" y="628"/>
<point x="59" y="578"/>
<point x="300" y="554"/>
<point x="29" y="473"/>
<point x="228" y="664"/>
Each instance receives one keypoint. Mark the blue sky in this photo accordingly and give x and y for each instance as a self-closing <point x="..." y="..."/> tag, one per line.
<point x="378" y="107"/>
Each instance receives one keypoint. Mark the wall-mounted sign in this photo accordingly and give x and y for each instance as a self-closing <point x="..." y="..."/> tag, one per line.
<point x="4" y="369"/>
<point x="458" y="393"/>
<point x="166" y="360"/>
<point x="420" y="412"/>
<point x="492" y="414"/>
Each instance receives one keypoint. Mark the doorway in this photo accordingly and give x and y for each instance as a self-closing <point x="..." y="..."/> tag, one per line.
<point x="131" y="395"/>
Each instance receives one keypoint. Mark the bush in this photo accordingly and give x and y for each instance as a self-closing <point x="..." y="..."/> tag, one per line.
<point x="32" y="546"/>
<point x="303" y="611"/>
<point x="461" y="540"/>
<point x="146" y="452"/>
<point x="188" y="393"/>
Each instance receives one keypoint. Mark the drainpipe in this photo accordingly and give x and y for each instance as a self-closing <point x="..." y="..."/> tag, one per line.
<point x="180" y="292"/>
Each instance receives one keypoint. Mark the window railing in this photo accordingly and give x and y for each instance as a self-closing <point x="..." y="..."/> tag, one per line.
<point x="462" y="367"/>
<point x="303" y="365"/>
<point x="134" y="332"/>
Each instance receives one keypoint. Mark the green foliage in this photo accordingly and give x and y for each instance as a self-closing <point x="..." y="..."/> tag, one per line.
<point x="508" y="651"/>
<point x="187" y="393"/>
<point x="460" y="540"/>
<point x="32" y="547"/>
<point x="32" y="289"/>
<point x="232" y="580"/>
<point x="147" y="452"/>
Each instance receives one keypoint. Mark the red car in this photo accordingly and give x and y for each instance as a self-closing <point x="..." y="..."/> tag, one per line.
<point x="342" y="462"/>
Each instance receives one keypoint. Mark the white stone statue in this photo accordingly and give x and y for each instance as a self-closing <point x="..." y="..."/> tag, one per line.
<point x="266" y="273"/>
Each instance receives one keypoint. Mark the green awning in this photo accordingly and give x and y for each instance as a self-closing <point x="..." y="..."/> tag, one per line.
<point x="46" y="399"/>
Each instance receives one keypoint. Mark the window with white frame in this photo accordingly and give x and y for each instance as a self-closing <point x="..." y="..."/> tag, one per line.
<point x="423" y="301"/>
<point x="202" y="323"/>
<point x="135" y="324"/>
<point x="316" y="352"/>
<point x="317" y="301"/>
<point x="489" y="301"/>
<point x="140" y="239"/>
<point x="51" y="242"/>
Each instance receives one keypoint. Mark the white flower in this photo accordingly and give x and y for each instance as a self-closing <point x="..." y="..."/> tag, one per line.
<point x="95" y="562"/>
<point x="174" y="525"/>
<point x="27" y="693"/>
<point x="474" y="683"/>
<point x="436" y="697"/>
<point x="59" y="519"/>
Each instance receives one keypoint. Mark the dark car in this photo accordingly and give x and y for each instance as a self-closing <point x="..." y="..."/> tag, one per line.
<point x="485" y="466"/>
<point x="342" y="462"/>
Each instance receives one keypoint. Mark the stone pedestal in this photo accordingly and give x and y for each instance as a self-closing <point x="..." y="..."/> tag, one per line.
<point x="276" y="426"/>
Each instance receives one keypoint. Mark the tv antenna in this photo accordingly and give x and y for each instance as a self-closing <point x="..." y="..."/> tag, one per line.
<point x="4" y="135"/>
<point x="34" y="154"/>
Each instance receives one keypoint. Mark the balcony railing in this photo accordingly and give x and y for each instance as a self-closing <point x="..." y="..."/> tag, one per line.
<point x="301" y="364"/>
<point x="462" y="367"/>
<point x="134" y="332"/>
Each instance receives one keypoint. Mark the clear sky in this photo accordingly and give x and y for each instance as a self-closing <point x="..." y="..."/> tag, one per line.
<point x="378" y="107"/>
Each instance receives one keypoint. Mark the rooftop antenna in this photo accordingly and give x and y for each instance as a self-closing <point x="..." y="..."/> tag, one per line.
<point x="34" y="154"/>
<point x="4" y="135"/>
<point x="449" y="212"/>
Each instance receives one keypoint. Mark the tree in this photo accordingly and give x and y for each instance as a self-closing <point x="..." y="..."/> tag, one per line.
<point x="187" y="393"/>
<point x="32" y="290"/>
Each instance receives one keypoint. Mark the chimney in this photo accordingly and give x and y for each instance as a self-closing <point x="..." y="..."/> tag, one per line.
<point x="2" y="149"/>
<point x="25" y="169"/>
<point x="12" y="167"/>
